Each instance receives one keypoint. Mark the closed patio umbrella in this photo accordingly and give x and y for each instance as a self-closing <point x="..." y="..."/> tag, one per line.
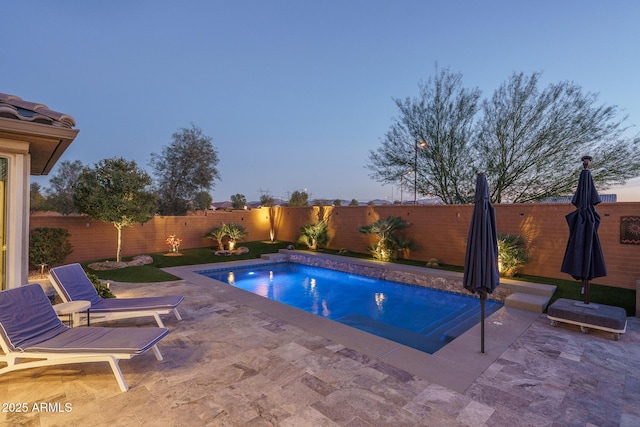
<point x="583" y="258"/>
<point x="481" y="260"/>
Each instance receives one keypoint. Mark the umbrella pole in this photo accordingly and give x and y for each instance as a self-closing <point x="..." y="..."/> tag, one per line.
<point x="585" y="286"/>
<point x="483" y="297"/>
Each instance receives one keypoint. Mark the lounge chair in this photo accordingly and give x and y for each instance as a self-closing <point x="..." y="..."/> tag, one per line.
<point x="72" y="284"/>
<point x="30" y="329"/>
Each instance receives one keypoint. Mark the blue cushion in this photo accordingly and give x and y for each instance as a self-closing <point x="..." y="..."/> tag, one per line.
<point x="102" y="340"/>
<point x="136" y="304"/>
<point x="27" y="317"/>
<point x="28" y="322"/>
<point x="75" y="283"/>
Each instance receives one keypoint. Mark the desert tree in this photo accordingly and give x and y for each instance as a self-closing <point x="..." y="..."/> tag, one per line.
<point x="202" y="200"/>
<point x="184" y="167"/>
<point x="531" y="140"/>
<point x="426" y="149"/>
<point x="266" y="199"/>
<point x="115" y="190"/>
<point x="238" y="201"/>
<point x="298" y="198"/>
<point x="528" y="140"/>
<point x="37" y="201"/>
<point x="60" y="191"/>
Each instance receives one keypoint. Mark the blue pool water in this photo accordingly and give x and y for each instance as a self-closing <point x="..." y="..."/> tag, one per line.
<point x="422" y="318"/>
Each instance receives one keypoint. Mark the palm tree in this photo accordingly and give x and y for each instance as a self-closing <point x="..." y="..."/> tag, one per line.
<point x="314" y="234"/>
<point x="218" y="234"/>
<point x="388" y="243"/>
<point x="235" y="233"/>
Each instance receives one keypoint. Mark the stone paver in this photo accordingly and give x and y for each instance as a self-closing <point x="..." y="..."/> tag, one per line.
<point x="228" y="363"/>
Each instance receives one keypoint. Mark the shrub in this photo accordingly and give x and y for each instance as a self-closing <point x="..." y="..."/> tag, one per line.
<point x="49" y="246"/>
<point x="512" y="254"/>
<point x="101" y="288"/>
<point x="433" y="263"/>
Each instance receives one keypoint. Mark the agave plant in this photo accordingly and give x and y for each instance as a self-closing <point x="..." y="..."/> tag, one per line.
<point x="314" y="235"/>
<point x="388" y="244"/>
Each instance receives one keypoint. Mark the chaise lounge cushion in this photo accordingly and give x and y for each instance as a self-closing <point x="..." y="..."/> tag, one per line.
<point x="32" y="336"/>
<point x="26" y="319"/>
<point x="136" y="304"/>
<point x="101" y="340"/>
<point x="29" y="323"/>
<point x="75" y="286"/>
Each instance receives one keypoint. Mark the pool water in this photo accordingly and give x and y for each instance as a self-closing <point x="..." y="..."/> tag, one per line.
<point x="422" y="318"/>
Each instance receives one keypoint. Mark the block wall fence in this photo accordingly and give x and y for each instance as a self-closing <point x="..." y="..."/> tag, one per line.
<point x="439" y="231"/>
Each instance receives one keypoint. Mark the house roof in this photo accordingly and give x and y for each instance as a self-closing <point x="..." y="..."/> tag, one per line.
<point x="48" y="132"/>
<point x="12" y="106"/>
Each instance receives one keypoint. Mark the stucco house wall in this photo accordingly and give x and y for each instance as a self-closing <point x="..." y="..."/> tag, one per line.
<point x="32" y="139"/>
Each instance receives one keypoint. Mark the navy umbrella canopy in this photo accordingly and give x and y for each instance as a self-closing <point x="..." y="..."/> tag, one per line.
<point x="481" y="260"/>
<point x="583" y="258"/>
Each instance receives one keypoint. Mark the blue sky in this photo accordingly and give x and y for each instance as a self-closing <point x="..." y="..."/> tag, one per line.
<point x="295" y="93"/>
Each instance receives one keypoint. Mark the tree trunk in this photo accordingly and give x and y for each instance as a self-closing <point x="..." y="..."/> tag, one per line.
<point x="119" y="249"/>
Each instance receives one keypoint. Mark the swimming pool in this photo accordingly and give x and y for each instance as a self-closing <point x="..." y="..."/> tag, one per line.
<point x="422" y="318"/>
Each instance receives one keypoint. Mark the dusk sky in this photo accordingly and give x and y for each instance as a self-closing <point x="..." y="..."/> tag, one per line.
<point x="295" y="93"/>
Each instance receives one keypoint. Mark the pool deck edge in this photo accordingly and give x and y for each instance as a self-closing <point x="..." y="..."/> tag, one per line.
<point x="456" y="366"/>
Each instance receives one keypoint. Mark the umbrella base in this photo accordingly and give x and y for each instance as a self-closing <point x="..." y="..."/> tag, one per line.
<point x="590" y="305"/>
<point x="605" y="318"/>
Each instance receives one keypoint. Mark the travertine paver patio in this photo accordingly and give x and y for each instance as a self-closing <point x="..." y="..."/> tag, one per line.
<point x="229" y="363"/>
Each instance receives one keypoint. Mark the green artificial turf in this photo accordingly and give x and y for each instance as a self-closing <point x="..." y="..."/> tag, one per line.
<point x="152" y="273"/>
<point x="601" y="294"/>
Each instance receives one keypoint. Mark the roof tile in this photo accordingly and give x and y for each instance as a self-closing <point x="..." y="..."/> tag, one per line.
<point x="14" y="107"/>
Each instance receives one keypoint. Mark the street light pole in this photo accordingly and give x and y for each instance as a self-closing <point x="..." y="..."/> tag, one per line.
<point x="420" y="145"/>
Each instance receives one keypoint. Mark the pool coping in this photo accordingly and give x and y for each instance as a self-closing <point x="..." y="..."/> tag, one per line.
<point x="456" y="366"/>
